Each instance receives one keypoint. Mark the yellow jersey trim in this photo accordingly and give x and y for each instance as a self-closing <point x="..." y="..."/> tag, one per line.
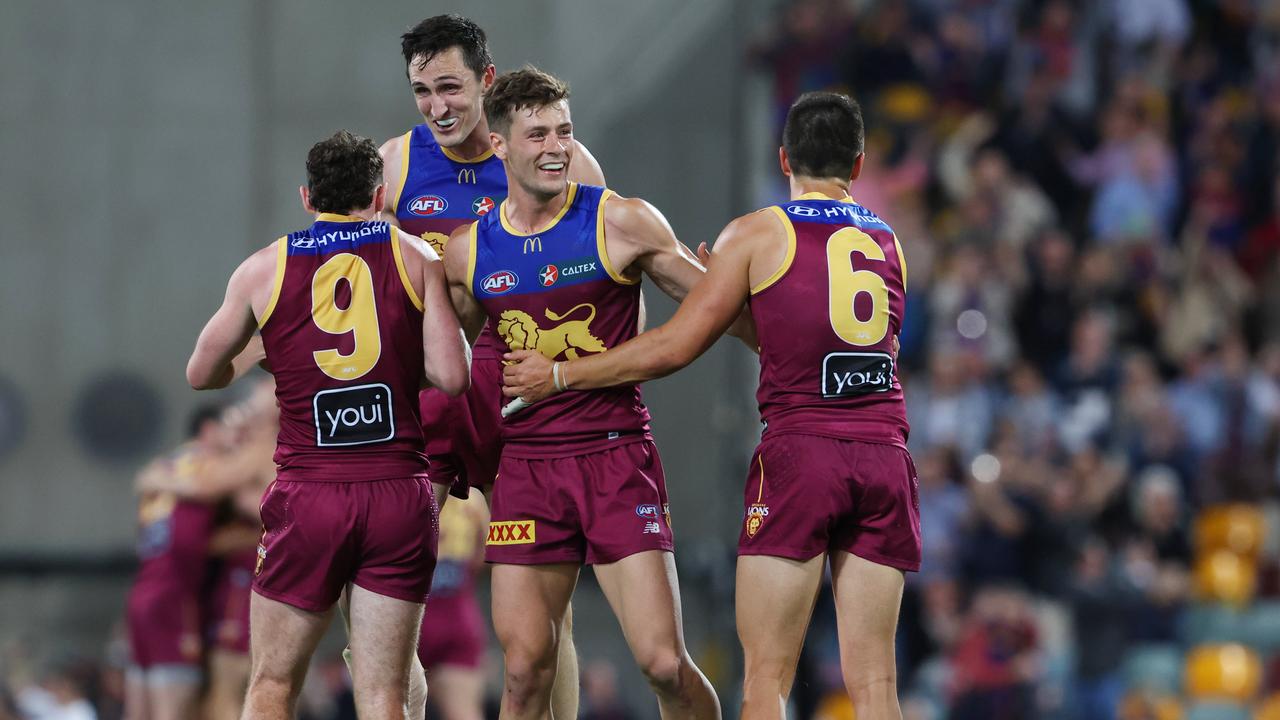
<point x="404" y="172"/>
<point x="459" y="159"/>
<point x="568" y="202"/>
<point x="338" y="217"/>
<point x="471" y="259"/>
<point x="902" y="260"/>
<point x="602" y="249"/>
<point x="791" y="252"/>
<point x="821" y="196"/>
<point x="282" y="253"/>
<point x="404" y="272"/>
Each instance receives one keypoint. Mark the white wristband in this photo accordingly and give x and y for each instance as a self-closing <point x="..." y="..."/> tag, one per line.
<point x="555" y="376"/>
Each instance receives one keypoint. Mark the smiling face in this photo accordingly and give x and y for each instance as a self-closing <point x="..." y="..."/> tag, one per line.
<point x="449" y="95"/>
<point x="537" y="148"/>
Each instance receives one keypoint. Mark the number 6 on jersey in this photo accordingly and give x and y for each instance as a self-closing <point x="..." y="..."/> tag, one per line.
<point x="846" y="284"/>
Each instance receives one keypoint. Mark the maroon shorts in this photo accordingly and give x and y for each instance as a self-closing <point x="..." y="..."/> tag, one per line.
<point x="319" y="536"/>
<point x="230" y="620"/>
<point x="593" y="508"/>
<point x="464" y="433"/>
<point x="453" y="632"/>
<point x="164" y="627"/>
<point x="808" y="494"/>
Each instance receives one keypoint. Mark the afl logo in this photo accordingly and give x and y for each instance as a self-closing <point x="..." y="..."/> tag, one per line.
<point x="428" y="205"/>
<point x="802" y="211"/>
<point x="499" y="283"/>
<point x="548" y="275"/>
<point x="482" y="205"/>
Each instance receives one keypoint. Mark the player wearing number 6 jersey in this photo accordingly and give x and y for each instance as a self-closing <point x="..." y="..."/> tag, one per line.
<point x="353" y="315"/>
<point x="825" y="281"/>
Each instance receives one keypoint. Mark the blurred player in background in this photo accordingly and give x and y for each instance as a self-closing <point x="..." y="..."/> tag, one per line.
<point x="556" y="268"/>
<point x="453" y="638"/>
<point x="825" y="281"/>
<point x="353" y="315"/>
<point x="164" y="610"/>
<point x="440" y="175"/>
<point x="234" y="549"/>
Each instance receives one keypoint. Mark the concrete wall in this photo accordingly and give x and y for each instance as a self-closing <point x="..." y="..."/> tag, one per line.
<point x="149" y="146"/>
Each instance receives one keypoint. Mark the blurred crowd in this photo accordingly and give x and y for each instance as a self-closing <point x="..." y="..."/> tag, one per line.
<point x="1087" y="196"/>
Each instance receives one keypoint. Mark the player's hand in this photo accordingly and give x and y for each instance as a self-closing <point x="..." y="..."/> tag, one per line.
<point x="527" y="375"/>
<point x="704" y="254"/>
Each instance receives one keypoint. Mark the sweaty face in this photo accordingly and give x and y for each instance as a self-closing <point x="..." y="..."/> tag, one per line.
<point x="448" y="95"/>
<point x="539" y="147"/>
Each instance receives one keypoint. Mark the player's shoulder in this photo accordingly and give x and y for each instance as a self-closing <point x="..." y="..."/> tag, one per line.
<point x="764" y="223"/>
<point x="260" y="267"/>
<point x="629" y="214"/>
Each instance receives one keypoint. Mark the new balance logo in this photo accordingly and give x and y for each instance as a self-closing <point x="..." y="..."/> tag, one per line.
<point x="512" y="532"/>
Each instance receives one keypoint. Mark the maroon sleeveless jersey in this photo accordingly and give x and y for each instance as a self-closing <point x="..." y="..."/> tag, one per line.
<point x="343" y="337"/>
<point x="554" y="291"/>
<point x="826" y="322"/>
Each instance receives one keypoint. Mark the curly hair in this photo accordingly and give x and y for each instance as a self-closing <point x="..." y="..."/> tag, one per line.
<point x="527" y="87"/>
<point x="343" y="171"/>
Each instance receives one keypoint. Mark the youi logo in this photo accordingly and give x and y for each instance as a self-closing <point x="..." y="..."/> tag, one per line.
<point x="428" y="205"/>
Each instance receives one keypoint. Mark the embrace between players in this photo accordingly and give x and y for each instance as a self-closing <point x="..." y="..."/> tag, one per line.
<point x="544" y="265"/>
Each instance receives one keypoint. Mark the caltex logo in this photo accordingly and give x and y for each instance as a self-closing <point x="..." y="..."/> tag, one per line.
<point x="482" y="205"/>
<point x="549" y="274"/>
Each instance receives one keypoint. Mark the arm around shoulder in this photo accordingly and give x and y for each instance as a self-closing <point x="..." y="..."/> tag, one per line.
<point x="445" y="353"/>
<point x="585" y="169"/>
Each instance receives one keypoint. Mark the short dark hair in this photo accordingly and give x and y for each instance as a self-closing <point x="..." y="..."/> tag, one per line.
<point x="823" y="135"/>
<point x="437" y="34"/>
<point x="343" y="171"/>
<point x="527" y="87"/>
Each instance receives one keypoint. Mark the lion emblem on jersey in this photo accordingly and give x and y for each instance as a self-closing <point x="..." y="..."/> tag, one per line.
<point x="570" y="338"/>
<point x="436" y="240"/>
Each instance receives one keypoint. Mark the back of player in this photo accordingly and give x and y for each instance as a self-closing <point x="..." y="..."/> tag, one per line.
<point x="353" y="317"/>
<point x="826" y="322"/>
<point x="343" y="336"/>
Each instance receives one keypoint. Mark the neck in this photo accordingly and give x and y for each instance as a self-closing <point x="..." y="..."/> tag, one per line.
<point x="530" y="212"/>
<point x="831" y="187"/>
<point x="364" y="214"/>
<point x="475" y="144"/>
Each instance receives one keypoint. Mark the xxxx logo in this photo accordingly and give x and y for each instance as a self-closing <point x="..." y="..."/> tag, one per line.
<point x="512" y="532"/>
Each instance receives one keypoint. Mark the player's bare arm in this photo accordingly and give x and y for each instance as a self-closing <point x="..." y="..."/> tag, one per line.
<point x="457" y="256"/>
<point x="714" y="303"/>
<point x="392" y="152"/>
<point x="584" y="168"/>
<point x="230" y="329"/>
<point x="639" y="239"/>
<point x="445" y="351"/>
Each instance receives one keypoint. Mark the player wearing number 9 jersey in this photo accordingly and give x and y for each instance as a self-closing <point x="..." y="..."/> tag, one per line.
<point x="353" y="317"/>
<point x="824" y="279"/>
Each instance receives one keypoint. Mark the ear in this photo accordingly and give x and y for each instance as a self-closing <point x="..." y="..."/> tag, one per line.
<point x="379" y="197"/>
<point x="486" y="78"/>
<point x="499" y="145"/>
<point x="784" y="162"/>
<point x="857" y="166"/>
<point x="305" y="194"/>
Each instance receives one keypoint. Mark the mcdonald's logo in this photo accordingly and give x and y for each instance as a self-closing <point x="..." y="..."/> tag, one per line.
<point x="467" y="175"/>
<point x="533" y="244"/>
